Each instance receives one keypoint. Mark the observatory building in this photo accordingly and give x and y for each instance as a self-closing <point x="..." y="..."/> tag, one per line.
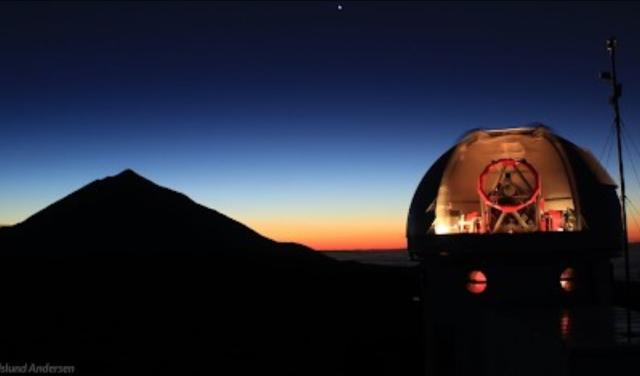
<point x="517" y="214"/>
<point x="513" y="228"/>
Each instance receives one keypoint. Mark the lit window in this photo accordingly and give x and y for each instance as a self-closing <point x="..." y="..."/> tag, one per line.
<point x="568" y="279"/>
<point x="477" y="282"/>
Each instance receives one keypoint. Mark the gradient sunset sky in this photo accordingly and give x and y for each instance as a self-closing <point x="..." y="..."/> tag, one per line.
<point x="305" y="122"/>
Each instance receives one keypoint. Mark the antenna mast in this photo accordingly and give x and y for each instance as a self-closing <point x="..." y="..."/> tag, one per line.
<point x="613" y="100"/>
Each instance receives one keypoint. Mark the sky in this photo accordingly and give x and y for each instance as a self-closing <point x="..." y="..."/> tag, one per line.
<point x="303" y="121"/>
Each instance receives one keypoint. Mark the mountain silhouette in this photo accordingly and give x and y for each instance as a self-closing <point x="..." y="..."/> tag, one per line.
<point x="124" y="276"/>
<point x="129" y="212"/>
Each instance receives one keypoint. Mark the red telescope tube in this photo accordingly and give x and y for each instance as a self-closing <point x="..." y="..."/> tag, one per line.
<point x="504" y="163"/>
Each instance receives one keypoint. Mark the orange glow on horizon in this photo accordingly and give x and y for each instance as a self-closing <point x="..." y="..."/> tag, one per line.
<point x="353" y="233"/>
<point x="633" y="230"/>
<point x="335" y="234"/>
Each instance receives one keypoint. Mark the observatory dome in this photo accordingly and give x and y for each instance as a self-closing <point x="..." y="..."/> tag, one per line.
<point x="517" y="183"/>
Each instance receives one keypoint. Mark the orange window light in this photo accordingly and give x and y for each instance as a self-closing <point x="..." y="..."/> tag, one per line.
<point x="568" y="279"/>
<point x="477" y="282"/>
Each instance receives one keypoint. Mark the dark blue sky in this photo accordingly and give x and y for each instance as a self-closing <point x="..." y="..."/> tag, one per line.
<point x="281" y="113"/>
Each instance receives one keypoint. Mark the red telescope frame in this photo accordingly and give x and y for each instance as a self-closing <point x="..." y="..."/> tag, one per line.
<point x="504" y="163"/>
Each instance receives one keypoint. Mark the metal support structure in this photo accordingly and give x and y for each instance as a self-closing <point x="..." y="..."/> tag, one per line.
<point x="614" y="101"/>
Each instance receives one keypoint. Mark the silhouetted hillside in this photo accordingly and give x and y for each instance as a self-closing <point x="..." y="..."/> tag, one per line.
<point x="126" y="277"/>
<point x="127" y="211"/>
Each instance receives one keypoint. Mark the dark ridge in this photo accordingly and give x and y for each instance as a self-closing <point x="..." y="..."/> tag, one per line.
<point x="124" y="276"/>
<point x="127" y="172"/>
<point x="127" y="211"/>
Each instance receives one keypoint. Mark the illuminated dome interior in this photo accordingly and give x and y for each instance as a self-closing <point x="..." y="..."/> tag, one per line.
<point x="506" y="181"/>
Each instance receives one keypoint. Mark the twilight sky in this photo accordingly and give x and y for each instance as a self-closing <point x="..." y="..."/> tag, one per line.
<point x="305" y="122"/>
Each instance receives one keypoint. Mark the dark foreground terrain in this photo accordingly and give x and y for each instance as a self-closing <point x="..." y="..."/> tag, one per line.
<point x="126" y="277"/>
<point x="170" y="312"/>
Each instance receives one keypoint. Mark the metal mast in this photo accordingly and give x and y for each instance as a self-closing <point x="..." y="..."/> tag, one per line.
<point x="613" y="100"/>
